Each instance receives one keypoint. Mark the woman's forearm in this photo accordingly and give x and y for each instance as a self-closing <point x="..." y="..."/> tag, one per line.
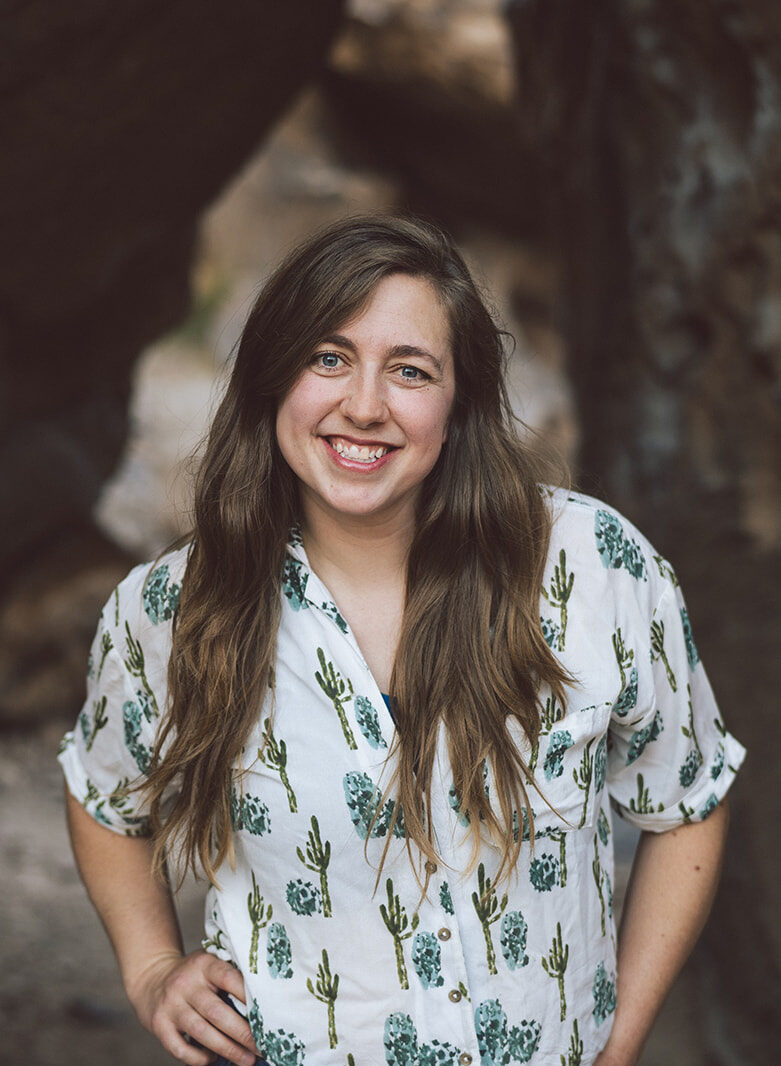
<point x="670" y="892"/>
<point x="137" y="911"/>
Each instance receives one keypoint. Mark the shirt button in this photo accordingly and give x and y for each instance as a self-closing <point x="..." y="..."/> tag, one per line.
<point x="464" y="1058"/>
<point x="444" y="933"/>
<point x="431" y="867"/>
<point x="454" y="996"/>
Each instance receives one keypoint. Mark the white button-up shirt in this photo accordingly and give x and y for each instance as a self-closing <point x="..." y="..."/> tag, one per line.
<point x="337" y="975"/>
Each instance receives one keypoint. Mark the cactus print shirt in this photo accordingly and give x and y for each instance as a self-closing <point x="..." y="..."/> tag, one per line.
<point x="338" y="975"/>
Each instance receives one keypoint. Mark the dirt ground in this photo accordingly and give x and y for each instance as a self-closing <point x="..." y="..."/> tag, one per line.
<point x="61" y="1001"/>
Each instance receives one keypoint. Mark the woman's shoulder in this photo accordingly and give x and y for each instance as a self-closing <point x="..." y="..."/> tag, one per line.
<point x="598" y="535"/>
<point x="147" y="597"/>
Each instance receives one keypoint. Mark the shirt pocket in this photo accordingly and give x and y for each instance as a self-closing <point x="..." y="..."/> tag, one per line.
<point x="570" y="770"/>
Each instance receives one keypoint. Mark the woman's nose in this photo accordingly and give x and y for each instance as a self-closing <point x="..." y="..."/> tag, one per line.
<point x="365" y="401"/>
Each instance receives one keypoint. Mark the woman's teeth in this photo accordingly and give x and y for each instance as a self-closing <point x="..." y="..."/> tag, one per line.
<point x="360" y="454"/>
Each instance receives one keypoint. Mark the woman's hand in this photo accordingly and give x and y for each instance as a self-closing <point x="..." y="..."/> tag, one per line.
<point x="177" y="994"/>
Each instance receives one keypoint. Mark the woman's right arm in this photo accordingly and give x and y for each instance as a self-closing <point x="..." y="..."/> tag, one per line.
<point x="172" y="993"/>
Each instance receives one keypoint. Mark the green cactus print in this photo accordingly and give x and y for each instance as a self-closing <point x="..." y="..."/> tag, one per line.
<point x="603" y="827"/>
<point x="604" y="993"/>
<point x="643" y="804"/>
<point x="118" y="801"/>
<point x="658" y="652"/>
<point x="326" y="990"/>
<point x="216" y="940"/>
<point x="641" y="738"/>
<point x="363" y="798"/>
<point x="427" y="960"/>
<point x="333" y="612"/>
<point x="665" y="570"/>
<point x="559" y="743"/>
<point x="615" y="548"/>
<point x="488" y="910"/>
<point x="89" y="730"/>
<point x="627" y="696"/>
<point x="512" y="940"/>
<point x="551" y="713"/>
<point x="555" y="965"/>
<point x="558" y="596"/>
<point x="368" y="722"/>
<point x="136" y="665"/>
<point x="544" y="872"/>
<point x="159" y="598"/>
<point x="692" y="654"/>
<point x="560" y="837"/>
<point x="445" y="898"/>
<point x="317" y="857"/>
<point x="260" y="916"/>
<point x="294" y="582"/>
<point x="400" y="928"/>
<point x="400" y="1040"/>
<point x="250" y="813"/>
<point x="574" y="1055"/>
<point x="599" y="880"/>
<point x="274" y="755"/>
<point x="106" y="644"/>
<point x="333" y="685"/>
<point x="278" y="953"/>
<point x="303" y="897"/>
<point x="134" y="713"/>
<point x="582" y="777"/>
<point x="694" y="759"/>
<point x="498" y="1043"/>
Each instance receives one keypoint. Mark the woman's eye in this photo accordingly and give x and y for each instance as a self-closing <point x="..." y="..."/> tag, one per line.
<point x="414" y="373"/>
<point x="328" y="360"/>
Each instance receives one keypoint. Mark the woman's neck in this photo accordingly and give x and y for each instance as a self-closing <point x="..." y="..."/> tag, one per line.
<point x="358" y="550"/>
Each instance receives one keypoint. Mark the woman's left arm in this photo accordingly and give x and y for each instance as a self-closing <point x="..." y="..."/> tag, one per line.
<point x="669" y="896"/>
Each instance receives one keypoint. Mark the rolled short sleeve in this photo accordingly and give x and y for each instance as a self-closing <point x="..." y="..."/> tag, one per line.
<point x="673" y="762"/>
<point x="110" y="749"/>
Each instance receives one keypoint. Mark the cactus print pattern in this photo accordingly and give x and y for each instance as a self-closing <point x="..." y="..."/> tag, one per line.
<point x="514" y="972"/>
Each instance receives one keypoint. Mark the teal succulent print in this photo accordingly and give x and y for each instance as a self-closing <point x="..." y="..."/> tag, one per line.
<point x="445" y="898"/>
<point x="615" y="548"/>
<point x="303" y="897"/>
<point x="499" y="1044"/>
<point x="553" y="766"/>
<point x="512" y="939"/>
<point x="691" y="648"/>
<point x="400" y="1040"/>
<point x="718" y="763"/>
<point x="250" y="813"/>
<point x="544" y="872"/>
<point x="368" y="722"/>
<point x="643" y="737"/>
<point x="604" y="992"/>
<point x="551" y="632"/>
<point x="427" y="960"/>
<point x="160" y="598"/>
<point x="134" y="714"/>
<point x="283" y="1049"/>
<point x="688" y="772"/>
<point x="437" y="1053"/>
<point x="278" y="953"/>
<point x="363" y="799"/>
<point x="600" y="764"/>
<point x="294" y="581"/>
<point x="711" y="804"/>
<point x="603" y="827"/>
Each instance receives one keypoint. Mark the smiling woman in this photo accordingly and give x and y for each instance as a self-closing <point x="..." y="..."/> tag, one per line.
<point x="392" y="659"/>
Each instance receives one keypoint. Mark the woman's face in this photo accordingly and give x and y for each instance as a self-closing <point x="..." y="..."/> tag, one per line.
<point x="365" y="421"/>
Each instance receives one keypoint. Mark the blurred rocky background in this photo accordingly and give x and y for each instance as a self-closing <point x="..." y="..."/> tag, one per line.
<point x="612" y="171"/>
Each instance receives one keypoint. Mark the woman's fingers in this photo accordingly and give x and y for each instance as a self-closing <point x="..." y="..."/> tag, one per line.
<point x="216" y="1039"/>
<point x="225" y="976"/>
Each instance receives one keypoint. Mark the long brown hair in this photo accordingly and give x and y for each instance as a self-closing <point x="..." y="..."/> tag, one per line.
<point x="471" y="653"/>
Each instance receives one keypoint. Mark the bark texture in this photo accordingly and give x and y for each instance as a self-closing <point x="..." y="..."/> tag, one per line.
<point x="120" y="122"/>
<point x="658" y="130"/>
